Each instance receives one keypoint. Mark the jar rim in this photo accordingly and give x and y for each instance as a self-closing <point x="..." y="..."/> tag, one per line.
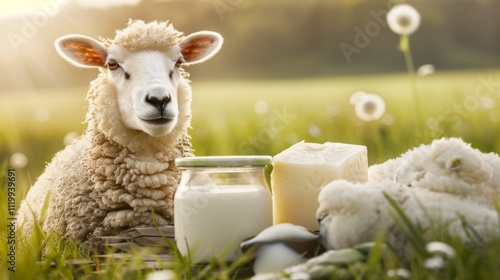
<point x="223" y="161"/>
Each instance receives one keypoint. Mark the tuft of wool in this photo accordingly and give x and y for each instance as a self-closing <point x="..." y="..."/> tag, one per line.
<point x="140" y="36"/>
<point x="447" y="165"/>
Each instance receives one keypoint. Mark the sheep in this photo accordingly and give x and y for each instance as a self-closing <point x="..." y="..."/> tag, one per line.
<point x="120" y="173"/>
<point x="437" y="184"/>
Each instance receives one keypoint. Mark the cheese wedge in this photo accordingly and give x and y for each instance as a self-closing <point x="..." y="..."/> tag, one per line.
<point x="300" y="171"/>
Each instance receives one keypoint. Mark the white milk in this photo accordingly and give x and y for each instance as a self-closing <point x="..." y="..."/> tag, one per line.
<point x="214" y="220"/>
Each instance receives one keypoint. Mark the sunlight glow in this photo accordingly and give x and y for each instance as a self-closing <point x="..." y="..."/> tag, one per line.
<point x="8" y="8"/>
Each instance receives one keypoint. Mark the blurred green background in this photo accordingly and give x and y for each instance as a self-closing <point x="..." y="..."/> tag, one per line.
<point x="281" y="76"/>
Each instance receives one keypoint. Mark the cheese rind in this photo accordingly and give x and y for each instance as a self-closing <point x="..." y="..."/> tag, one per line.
<point x="300" y="172"/>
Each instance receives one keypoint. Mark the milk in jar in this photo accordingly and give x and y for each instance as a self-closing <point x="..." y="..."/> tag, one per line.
<point x="220" y="202"/>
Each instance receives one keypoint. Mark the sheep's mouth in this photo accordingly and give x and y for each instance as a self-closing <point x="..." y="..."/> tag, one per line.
<point x="158" y="121"/>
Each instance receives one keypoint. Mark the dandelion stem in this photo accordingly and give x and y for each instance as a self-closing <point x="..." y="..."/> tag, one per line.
<point x="405" y="48"/>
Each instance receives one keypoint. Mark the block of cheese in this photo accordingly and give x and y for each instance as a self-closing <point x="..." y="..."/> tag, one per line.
<point x="300" y="171"/>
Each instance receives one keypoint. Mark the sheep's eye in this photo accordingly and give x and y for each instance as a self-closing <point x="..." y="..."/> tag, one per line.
<point x="171" y="74"/>
<point x="112" y="65"/>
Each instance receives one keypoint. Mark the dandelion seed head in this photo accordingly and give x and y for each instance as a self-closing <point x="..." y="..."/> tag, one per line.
<point x="18" y="160"/>
<point x="261" y="107"/>
<point x="370" y="107"/>
<point x="426" y="70"/>
<point x="440" y="248"/>
<point x="403" y="19"/>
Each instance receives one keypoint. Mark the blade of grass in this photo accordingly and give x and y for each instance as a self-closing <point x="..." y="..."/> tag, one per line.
<point x="412" y="232"/>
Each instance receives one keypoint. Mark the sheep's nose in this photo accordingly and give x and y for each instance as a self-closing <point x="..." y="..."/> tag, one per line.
<point x="156" y="102"/>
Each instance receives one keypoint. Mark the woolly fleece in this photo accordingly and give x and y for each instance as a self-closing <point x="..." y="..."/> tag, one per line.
<point x="436" y="184"/>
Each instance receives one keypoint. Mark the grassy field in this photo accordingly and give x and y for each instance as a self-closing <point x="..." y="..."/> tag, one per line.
<point x="265" y="117"/>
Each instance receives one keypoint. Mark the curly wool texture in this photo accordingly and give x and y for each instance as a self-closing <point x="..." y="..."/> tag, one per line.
<point x="113" y="177"/>
<point x="140" y="36"/>
<point x="443" y="183"/>
<point x="447" y="166"/>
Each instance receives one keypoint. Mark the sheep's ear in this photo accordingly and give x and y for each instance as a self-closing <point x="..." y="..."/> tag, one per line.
<point x="82" y="51"/>
<point x="200" y="46"/>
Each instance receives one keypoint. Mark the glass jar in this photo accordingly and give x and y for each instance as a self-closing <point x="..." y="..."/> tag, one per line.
<point x="220" y="202"/>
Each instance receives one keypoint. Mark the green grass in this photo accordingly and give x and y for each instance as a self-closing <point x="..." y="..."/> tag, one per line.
<point x="225" y="122"/>
<point x="224" y="119"/>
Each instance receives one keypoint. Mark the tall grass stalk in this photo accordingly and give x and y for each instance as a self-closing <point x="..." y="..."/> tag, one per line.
<point x="404" y="46"/>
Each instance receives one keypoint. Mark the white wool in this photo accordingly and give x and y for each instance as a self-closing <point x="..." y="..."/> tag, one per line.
<point x="355" y="213"/>
<point x="446" y="165"/>
<point x="444" y="157"/>
<point x="384" y="171"/>
<point x="448" y="178"/>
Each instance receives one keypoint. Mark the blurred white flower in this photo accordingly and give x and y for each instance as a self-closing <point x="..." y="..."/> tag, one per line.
<point x="398" y="273"/>
<point x="426" y="70"/>
<point x="440" y="248"/>
<point x="18" y="160"/>
<point x="355" y="97"/>
<point x="70" y="137"/>
<point x="261" y="107"/>
<point x="370" y="107"/>
<point x="434" y="263"/>
<point x="42" y="114"/>
<point x="403" y="19"/>
<point x="314" y="130"/>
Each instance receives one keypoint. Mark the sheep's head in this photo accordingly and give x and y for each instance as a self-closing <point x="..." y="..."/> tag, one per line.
<point x="144" y="62"/>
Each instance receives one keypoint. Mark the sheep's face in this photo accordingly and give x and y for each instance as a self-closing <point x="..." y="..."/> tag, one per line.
<point x="146" y="84"/>
<point x="146" y="81"/>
